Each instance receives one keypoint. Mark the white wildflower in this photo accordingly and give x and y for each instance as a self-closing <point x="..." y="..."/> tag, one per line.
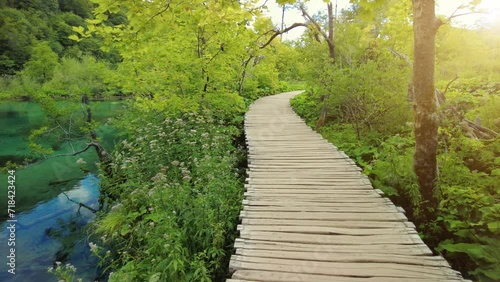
<point x="93" y="247"/>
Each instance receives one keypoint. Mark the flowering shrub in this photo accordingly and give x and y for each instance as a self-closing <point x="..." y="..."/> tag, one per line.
<point x="176" y="198"/>
<point x="64" y="272"/>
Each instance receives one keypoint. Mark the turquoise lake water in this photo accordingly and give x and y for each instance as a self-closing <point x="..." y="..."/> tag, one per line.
<point x="49" y="226"/>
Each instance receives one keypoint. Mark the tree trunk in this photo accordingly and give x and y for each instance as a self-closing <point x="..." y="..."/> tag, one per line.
<point x="103" y="156"/>
<point x="425" y="104"/>
<point x="243" y="75"/>
<point x="331" y="46"/>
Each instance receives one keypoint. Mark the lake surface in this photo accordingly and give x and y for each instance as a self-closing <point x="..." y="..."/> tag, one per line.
<point x="49" y="226"/>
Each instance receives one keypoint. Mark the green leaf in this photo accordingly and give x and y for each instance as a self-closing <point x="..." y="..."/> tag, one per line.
<point x="494" y="227"/>
<point x="124" y="230"/>
<point x="79" y="29"/>
<point x="74" y="37"/>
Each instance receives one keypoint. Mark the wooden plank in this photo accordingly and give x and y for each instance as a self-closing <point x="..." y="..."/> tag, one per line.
<point x="416" y="250"/>
<point x="338" y="182"/>
<point x="347" y="257"/>
<point x="325" y="216"/>
<point x="319" y="174"/>
<point x="274" y="276"/>
<point x="299" y="166"/>
<point x="326" y="230"/>
<point x="299" y="203"/>
<point x="310" y="190"/>
<point x="405" y="239"/>
<point x="319" y="222"/>
<point x="342" y="269"/>
<point x="314" y="198"/>
<point x="306" y="186"/>
<point x="304" y="170"/>
<point x="321" y="196"/>
<point x="379" y="209"/>
<point x="318" y="199"/>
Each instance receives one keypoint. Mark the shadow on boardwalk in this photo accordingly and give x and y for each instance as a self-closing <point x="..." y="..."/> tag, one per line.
<point x="310" y="215"/>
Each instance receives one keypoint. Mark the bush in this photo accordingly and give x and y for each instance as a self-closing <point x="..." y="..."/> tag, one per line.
<point x="177" y="198"/>
<point x="223" y="106"/>
<point x="75" y="77"/>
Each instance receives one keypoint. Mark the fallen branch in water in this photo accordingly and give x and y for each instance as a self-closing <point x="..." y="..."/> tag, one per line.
<point x="80" y="204"/>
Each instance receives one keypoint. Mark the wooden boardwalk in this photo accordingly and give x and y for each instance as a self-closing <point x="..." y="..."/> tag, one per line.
<point x="310" y="215"/>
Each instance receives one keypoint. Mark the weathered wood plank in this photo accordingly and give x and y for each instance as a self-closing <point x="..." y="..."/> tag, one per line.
<point x="415" y="250"/>
<point x="275" y="276"/>
<point x="406" y="239"/>
<point x="312" y="190"/>
<point x="380" y="209"/>
<point x="325" y="216"/>
<point x="320" y="222"/>
<point x="326" y="230"/>
<point x="318" y="199"/>
<point x="346" y="257"/>
<point x="342" y="269"/>
<point x="299" y="203"/>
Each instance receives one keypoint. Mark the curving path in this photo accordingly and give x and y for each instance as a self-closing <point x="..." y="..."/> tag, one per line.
<point x="310" y="215"/>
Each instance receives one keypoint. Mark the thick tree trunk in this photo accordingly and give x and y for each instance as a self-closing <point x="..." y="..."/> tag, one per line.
<point x="425" y="104"/>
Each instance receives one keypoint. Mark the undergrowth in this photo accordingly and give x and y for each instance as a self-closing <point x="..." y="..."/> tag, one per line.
<point x="467" y="230"/>
<point x="174" y="200"/>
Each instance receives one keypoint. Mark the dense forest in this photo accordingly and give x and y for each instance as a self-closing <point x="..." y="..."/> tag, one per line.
<point x="171" y="190"/>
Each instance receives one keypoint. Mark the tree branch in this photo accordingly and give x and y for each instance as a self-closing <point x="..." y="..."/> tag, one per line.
<point x="402" y="57"/>
<point x="448" y="85"/>
<point x="466" y="14"/>
<point x="93" y="144"/>
<point x="159" y="13"/>
<point x="440" y="22"/>
<point x="80" y="204"/>
<point x="315" y="23"/>
<point x="454" y="12"/>
<point x="276" y="33"/>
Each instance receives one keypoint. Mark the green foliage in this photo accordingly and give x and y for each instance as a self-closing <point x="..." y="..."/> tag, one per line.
<point x="305" y="107"/>
<point x="42" y="63"/>
<point x="27" y="28"/>
<point x="21" y="86"/>
<point x="370" y="97"/>
<point x="227" y="107"/>
<point x="472" y="216"/>
<point x="486" y="255"/>
<point x="75" y="77"/>
<point x="81" y="8"/>
<point x="16" y="37"/>
<point x="176" y="175"/>
<point x="467" y="53"/>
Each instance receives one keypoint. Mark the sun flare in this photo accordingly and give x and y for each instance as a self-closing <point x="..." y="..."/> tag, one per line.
<point x="487" y="12"/>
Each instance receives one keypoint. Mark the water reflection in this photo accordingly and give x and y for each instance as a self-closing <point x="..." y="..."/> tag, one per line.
<point x="53" y="230"/>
